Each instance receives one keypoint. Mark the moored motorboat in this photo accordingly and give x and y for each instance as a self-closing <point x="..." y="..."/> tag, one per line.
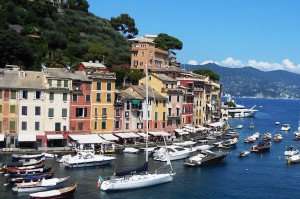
<point x="130" y="150"/>
<point x="277" y="123"/>
<point x="205" y="158"/>
<point x="240" y="126"/>
<point x="232" y="134"/>
<point x="277" y="137"/>
<point x="290" y="151"/>
<point x="267" y="136"/>
<point x="87" y="160"/>
<point x="42" y="185"/>
<point x="252" y="138"/>
<point x="285" y="127"/>
<point x="30" y="162"/>
<point x="261" y="147"/>
<point x="228" y="143"/>
<point x="293" y="159"/>
<point x="30" y="172"/>
<point x="172" y="152"/>
<point x="27" y="157"/>
<point x="30" y="178"/>
<point x="63" y="193"/>
<point x="244" y="154"/>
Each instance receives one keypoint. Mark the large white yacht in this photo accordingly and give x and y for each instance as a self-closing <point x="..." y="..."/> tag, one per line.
<point x="172" y="152"/>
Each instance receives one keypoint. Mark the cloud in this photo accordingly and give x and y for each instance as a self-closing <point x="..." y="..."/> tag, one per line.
<point x="285" y="64"/>
<point x="192" y="62"/>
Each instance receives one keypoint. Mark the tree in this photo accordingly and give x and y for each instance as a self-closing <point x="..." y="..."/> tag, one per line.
<point x="96" y="51"/>
<point x="130" y="75"/>
<point x="82" y="5"/>
<point x="14" y="50"/>
<point x="124" y="24"/>
<point x="167" y="42"/>
<point x="56" y="40"/>
<point x="209" y="73"/>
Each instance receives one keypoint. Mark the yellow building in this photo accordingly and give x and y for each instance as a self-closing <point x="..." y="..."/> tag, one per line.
<point x="102" y="98"/>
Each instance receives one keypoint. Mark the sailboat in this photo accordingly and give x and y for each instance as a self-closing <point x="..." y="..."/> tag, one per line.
<point x="138" y="177"/>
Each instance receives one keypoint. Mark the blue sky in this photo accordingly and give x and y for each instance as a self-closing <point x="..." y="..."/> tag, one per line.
<point x="261" y="33"/>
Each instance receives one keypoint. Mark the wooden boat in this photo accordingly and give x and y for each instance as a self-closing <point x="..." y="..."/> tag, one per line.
<point x="21" y="173"/>
<point x="261" y="147"/>
<point x="63" y="193"/>
<point x="22" y="168"/>
<point x="31" y="178"/>
<point x="26" y="157"/>
<point x="43" y="185"/>
<point x="30" y="162"/>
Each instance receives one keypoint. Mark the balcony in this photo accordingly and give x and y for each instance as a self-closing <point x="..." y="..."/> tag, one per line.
<point x="173" y="116"/>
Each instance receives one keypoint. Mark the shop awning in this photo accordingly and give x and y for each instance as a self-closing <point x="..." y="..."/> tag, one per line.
<point x="181" y="132"/>
<point x="55" y="137"/>
<point x="127" y="135"/>
<point x="2" y="136"/>
<point x="159" y="133"/>
<point x="88" y="139"/>
<point x="26" y="137"/>
<point x="109" y="137"/>
<point x="144" y="135"/>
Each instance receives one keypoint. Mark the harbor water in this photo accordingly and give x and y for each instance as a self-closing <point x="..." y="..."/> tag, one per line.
<point x="263" y="176"/>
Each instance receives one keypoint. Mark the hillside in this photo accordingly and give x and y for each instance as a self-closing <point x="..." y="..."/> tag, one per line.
<point x="252" y="82"/>
<point x="34" y="32"/>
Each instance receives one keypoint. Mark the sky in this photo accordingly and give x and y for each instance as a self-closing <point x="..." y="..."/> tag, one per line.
<point x="264" y="34"/>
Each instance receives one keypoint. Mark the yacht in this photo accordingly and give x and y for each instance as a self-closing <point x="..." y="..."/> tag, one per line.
<point x="84" y="159"/>
<point x="172" y="152"/>
<point x="285" y="127"/>
<point x="130" y="150"/>
<point x="205" y="158"/>
<point x="293" y="159"/>
<point x="252" y="138"/>
<point x="290" y="151"/>
<point x="261" y="147"/>
<point x="267" y="136"/>
<point x="277" y="137"/>
<point x="240" y="111"/>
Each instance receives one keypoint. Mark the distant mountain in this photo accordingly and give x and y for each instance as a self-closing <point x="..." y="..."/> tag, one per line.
<point x="251" y="82"/>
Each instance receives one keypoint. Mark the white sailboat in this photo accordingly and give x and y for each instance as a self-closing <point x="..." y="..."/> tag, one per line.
<point x="139" y="177"/>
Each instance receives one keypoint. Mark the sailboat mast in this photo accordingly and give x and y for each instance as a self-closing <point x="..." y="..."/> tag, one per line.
<point x="147" y="119"/>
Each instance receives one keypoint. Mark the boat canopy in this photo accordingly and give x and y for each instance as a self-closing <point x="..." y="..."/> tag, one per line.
<point x="55" y="137"/>
<point x="88" y="139"/>
<point x="24" y="137"/>
<point x="144" y="135"/>
<point x="159" y="133"/>
<point x="109" y="137"/>
<point x="127" y="135"/>
<point x="140" y="169"/>
<point x="2" y="137"/>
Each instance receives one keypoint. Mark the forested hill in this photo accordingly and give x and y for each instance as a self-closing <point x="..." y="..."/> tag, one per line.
<point x="35" y="31"/>
<point x="248" y="81"/>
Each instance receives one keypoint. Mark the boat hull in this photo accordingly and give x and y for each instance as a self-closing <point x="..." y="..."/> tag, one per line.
<point x="88" y="164"/>
<point x="58" y="195"/>
<point x="135" y="182"/>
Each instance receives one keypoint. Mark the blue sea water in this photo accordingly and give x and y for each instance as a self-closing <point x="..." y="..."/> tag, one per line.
<point x="264" y="176"/>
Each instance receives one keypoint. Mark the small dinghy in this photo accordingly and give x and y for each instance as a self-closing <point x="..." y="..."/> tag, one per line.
<point x="277" y="123"/>
<point x="244" y="154"/>
<point x="43" y="185"/>
<point x="240" y="126"/>
<point x="130" y="150"/>
<point x="277" y="137"/>
<point x="63" y="193"/>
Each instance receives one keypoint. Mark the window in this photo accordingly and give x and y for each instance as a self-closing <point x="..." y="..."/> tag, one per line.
<point x="50" y="112"/>
<point x="164" y="103"/>
<point x="156" y="116"/>
<point x="51" y="96"/>
<point x="0" y="108"/>
<point x="57" y="126"/>
<point x="24" y="94"/>
<point x="155" y="125"/>
<point x="127" y="125"/>
<point x="95" y="125"/>
<point x="64" y="112"/>
<point x="156" y="102"/>
<point x="87" y="98"/>
<point x="74" y="98"/>
<point x="170" y="97"/>
<point x="0" y="126"/>
<point x="98" y="97"/>
<point x="50" y="82"/>
<point x="24" y="126"/>
<point x="65" y="97"/>
<point x="1" y="94"/>
<point x="65" y="83"/>
<point x="128" y="105"/>
<point x="24" y="110"/>
<point x="108" y="97"/>
<point x="13" y="94"/>
<point x="58" y="83"/>
<point x="177" y="98"/>
<point x="108" y="85"/>
<point x="104" y="112"/>
<point x="164" y="116"/>
<point x="169" y="111"/>
<point x="37" y="94"/>
<point x="80" y="126"/>
<point x="37" y="110"/>
<point x="80" y="112"/>
<point x="12" y="125"/>
<point x="64" y="128"/>
<point x="37" y="126"/>
<point x="167" y="85"/>
<point x="99" y="85"/>
<point x="12" y="108"/>
<point x="103" y="124"/>
<point x="177" y="111"/>
<point x="96" y="112"/>
<point x="117" y="124"/>
<point x="164" y="125"/>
